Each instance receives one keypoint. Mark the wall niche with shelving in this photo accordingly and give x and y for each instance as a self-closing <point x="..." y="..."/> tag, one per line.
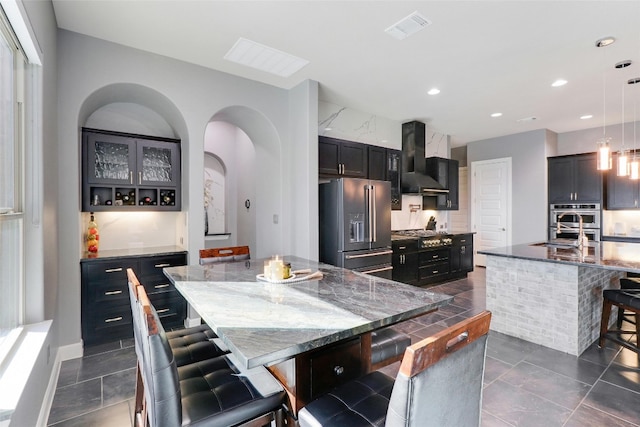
<point x="129" y="172"/>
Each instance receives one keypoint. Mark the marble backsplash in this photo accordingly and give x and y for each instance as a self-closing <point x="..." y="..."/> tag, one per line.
<point x="623" y="223"/>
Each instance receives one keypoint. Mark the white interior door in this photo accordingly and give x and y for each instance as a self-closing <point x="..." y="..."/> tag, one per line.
<point x="491" y="205"/>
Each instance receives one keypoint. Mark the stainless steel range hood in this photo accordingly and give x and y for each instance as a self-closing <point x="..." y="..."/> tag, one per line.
<point x="414" y="176"/>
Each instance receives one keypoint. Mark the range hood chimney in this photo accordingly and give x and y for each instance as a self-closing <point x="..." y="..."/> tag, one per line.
<point x="414" y="174"/>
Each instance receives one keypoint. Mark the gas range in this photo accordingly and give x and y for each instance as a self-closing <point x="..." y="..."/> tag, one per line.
<point x="428" y="238"/>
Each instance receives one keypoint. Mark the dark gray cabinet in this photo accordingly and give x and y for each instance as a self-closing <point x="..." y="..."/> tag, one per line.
<point x="574" y="178"/>
<point x="339" y="158"/>
<point x="393" y="175"/>
<point x="105" y="306"/>
<point x="377" y="162"/>
<point x="129" y="172"/>
<point x="405" y="261"/>
<point x="445" y="172"/>
<point x="461" y="257"/>
<point x="621" y="192"/>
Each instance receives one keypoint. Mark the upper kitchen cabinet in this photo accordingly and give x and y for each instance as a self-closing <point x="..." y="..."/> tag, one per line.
<point x="129" y="172"/>
<point x="445" y="172"/>
<point x="339" y="158"/>
<point x="621" y="192"/>
<point x="377" y="162"/>
<point x="574" y="178"/>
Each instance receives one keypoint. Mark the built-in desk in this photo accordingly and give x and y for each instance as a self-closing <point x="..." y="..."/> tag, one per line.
<point x="305" y="332"/>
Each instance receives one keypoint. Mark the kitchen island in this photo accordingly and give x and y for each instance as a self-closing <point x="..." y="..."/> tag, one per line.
<point x="313" y="334"/>
<point x="552" y="295"/>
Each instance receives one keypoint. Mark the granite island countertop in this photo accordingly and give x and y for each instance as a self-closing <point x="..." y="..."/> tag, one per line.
<point x="263" y="323"/>
<point x="623" y="256"/>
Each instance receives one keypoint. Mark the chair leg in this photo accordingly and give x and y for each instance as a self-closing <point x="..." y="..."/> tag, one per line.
<point x="139" y="412"/>
<point x="604" y="322"/>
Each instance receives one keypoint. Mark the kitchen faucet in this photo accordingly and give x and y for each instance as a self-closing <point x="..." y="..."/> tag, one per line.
<point x="582" y="239"/>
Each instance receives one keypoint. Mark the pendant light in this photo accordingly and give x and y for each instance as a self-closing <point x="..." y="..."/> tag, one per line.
<point x="634" y="166"/>
<point x="623" y="155"/>
<point x="604" y="150"/>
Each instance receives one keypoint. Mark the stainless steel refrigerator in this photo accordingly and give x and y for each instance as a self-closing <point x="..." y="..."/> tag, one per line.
<point x="355" y="225"/>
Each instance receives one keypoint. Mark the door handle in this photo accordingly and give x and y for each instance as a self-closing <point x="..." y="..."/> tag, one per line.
<point x="369" y="254"/>
<point x="377" y="270"/>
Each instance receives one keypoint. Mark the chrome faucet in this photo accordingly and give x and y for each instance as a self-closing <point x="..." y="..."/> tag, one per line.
<point x="582" y="238"/>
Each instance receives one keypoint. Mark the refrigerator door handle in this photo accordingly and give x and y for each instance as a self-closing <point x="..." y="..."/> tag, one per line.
<point x="374" y="222"/>
<point x="389" y="252"/>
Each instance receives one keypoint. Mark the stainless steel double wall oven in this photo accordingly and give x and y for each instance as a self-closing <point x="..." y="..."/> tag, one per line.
<point x="569" y="216"/>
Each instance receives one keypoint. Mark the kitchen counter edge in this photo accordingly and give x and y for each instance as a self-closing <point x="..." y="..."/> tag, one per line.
<point x="132" y="253"/>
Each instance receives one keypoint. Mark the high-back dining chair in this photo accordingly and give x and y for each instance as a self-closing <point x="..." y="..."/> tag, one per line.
<point x="211" y="392"/>
<point x="439" y="385"/>
<point x="228" y="254"/>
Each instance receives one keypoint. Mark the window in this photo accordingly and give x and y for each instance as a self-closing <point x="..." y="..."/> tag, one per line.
<point x="12" y="66"/>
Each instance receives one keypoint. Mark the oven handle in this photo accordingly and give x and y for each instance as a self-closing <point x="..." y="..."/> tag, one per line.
<point x="389" y="252"/>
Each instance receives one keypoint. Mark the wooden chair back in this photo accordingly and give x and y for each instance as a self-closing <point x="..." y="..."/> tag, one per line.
<point x="446" y="370"/>
<point x="228" y="254"/>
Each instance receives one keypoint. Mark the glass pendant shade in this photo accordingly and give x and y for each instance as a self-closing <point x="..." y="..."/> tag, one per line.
<point x="634" y="170"/>
<point x="604" y="154"/>
<point x="623" y="163"/>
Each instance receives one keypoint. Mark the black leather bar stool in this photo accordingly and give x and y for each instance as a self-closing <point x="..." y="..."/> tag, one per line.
<point x="632" y="281"/>
<point x="624" y="299"/>
<point x="439" y="384"/>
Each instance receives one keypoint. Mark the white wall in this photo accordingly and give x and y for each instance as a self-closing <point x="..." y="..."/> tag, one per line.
<point x="528" y="152"/>
<point x="94" y="73"/>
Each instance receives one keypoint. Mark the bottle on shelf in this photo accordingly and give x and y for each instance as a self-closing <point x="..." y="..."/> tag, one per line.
<point x="93" y="236"/>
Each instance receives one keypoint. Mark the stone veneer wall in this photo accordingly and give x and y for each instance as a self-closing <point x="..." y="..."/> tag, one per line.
<point x="551" y="304"/>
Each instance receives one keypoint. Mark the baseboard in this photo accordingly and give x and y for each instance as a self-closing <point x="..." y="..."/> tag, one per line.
<point x="71" y="351"/>
<point x="47" y="401"/>
<point x="190" y="322"/>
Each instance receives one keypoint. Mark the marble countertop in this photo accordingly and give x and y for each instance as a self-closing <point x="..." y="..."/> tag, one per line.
<point x="264" y="323"/>
<point x="622" y="256"/>
<point x="132" y="252"/>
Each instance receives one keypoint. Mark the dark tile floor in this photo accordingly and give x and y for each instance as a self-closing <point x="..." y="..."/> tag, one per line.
<point x="525" y="384"/>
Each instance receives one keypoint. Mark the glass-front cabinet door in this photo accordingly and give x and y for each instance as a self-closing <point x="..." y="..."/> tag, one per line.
<point x="111" y="159"/>
<point x="158" y="163"/>
<point x="126" y="172"/>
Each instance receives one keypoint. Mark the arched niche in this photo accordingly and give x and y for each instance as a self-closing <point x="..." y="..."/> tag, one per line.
<point x="137" y="109"/>
<point x="261" y="180"/>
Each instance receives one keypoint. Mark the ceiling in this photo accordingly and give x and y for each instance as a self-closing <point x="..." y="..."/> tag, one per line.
<point x="484" y="56"/>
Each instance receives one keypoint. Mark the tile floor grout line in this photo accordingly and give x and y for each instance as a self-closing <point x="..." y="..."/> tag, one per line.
<point x="582" y="401"/>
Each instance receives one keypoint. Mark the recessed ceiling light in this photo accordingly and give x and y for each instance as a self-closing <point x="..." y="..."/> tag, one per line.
<point x="559" y="82"/>
<point x="586" y="117"/>
<point x="496" y="115"/>
<point x="264" y="58"/>
<point x="434" y="91"/>
<point x="623" y="64"/>
<point x="633" y="80"/>
<point x="605" y="41"/>
<point x="407" y="26"/>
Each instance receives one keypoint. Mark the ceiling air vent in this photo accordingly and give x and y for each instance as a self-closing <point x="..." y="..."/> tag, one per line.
<point x="407" y="26"/>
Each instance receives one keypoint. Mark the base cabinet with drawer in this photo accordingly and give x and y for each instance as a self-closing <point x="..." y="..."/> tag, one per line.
<point x="106" y="311"/>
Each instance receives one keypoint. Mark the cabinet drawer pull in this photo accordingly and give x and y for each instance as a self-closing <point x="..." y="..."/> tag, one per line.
<point x="113" y="292"/>
<point x="166" y="264"/>
<point x="113" y="319"/>
<point x="435" y="256"/>
<point x="463" y="240"/>
<point x="163" y="310"/>
<point x="113" y="270"/>
<point x="435" y="272"/>
<point x="338" y="370"/>
<point x="402" y="247"/>
<point x="139" y="178"/>
<point x="165" y="285"/>
<point x="131" y="177"/>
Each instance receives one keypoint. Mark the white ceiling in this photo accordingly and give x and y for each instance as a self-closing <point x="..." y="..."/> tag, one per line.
<point x="484" y="56"/>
